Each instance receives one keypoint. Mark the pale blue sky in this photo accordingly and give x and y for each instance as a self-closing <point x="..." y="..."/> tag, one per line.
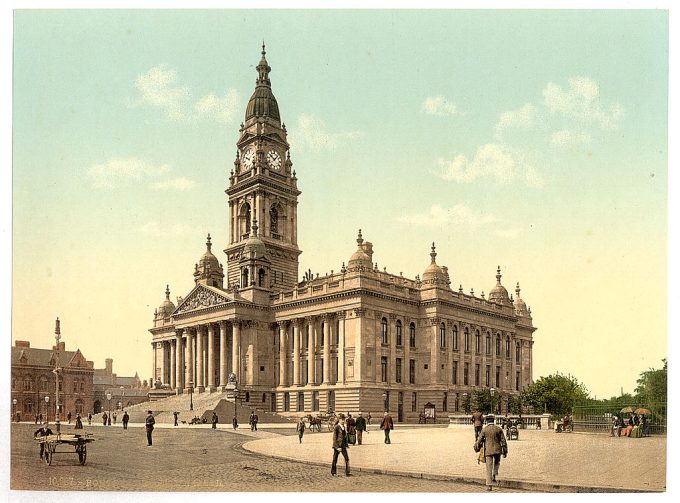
<point x="533" y="140"/>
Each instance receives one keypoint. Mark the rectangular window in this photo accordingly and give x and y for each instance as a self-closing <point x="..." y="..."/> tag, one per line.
<point x="398" y="370"/>
<point x="414" y="401"/>
<point x="335" y="369"/>
<point x="498" y="377"/>
<point x="315" y="401"/>
<point x="518" y="352"/>
<point x="477" y="374"/>
<point x="507" y="347"/>
<point x="466" y="373"/>
<point x="517" y="380"/>
<point x="454" y="372"/>
<point x="445" y="405"/>
<point x="487" y="376"/>
<point x="498" y="345"/>
<point x="412" y="371"/>
<point x="383" y="368"/>
<point x="300" y="401"/>
<point x="286" y="402"/>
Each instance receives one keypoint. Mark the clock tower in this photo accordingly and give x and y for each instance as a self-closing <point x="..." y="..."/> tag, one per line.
<point x="263" y="189"/>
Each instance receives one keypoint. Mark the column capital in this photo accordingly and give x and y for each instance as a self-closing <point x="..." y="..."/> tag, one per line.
<point x="435" y="320"/>
<point x="360" y="312"/>
<point x="341" y="314"/>
<point x="281" y="324"/>
<point x="298" y="322"/>
<point x="311" y="319"/>
<point x="179" y="332"/>
<point x="327" y="316"/>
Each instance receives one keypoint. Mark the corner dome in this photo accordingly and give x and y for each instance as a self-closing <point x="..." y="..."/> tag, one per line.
<point x="208" y="259"/>
<point x="362" y="258"/>
<point x="498" y="293"/>
<point x="262" y="103"/>
<point x="167" y="307"/>
<point x="253" y="247"/>
<point x="520" y="305"/>
<point x="433" y="273"/>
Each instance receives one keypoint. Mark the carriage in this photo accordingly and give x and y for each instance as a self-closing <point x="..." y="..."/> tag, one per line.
<point x="51" y="442"/>
<point x="314" y="423"/>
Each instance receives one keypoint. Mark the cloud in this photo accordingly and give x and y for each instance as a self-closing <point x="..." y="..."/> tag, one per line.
<point x="180" y="183"/>
<point x="523" y="117"/>
<point x="154" y="229"/>
<point x="131" y="168"/>
<point x="311" y="134"/>
<point x="440" y="106"/>
<point x="566" y="137"/>
<point x="581" y="102"/>
<point x="158" y="89"/>
<point x="221" y="109"/>
<point x="459" y="215"/>
<point x="491" y="160"/>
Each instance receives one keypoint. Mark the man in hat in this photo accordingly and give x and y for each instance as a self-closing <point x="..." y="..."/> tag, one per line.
<point x="495" y="445"/>
<point x="150" y="421"/>
<point x="300" y="428"/>
<point x="387" y="425"/>
<point x="126" y="419"/>
<point x="340" y="445"/>
<point x="361" y="427"/>
<point x="477" y="422"/>
<point x="214" y="420"/>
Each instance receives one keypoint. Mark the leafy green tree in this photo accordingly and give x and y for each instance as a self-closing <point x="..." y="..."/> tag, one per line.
<point x="652" y="385"/>
<point x="467" y="403"/>
<point x="555" y="394"/>
<point x="516" y="404"/>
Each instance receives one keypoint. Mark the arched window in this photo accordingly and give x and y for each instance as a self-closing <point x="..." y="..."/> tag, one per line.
<point x="455" y="337"/>
<point x="245" y="220"/>
<point x="383" y="330"/>
<point x="244" y="278"/>
<point x="28" y="384"/>
<point x="517" y="352"/>
<point x="507" y="346"/>
<point x="274" y="221"/>
<point x="442" y="336"/>
<point x="488" y="343"/>
<point x="260" y="278"/>
<point x="498" y="344"/>
<point x="399" y="336"/>
<point x="478" y="342"/>
<point x="466" y="340"/>
<point x="412" y="335"/>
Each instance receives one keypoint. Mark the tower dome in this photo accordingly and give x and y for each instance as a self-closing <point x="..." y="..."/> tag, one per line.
<point x="520" y="305"/>
<point x="498" y="293"/>
<point x="362" y="258"/>
<point x="263" y="103"/>
<point x="253" y="246"/>
<point x="167" y="307"/>
<point x="208" y="270"/>
<point x="433" y="273"/>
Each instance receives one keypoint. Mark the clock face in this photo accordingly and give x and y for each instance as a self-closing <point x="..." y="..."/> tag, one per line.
<point x="248" y="159"/>
<point x="274" y="160"/>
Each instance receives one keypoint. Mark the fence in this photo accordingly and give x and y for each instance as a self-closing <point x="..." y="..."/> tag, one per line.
<point x="598" y="418"/>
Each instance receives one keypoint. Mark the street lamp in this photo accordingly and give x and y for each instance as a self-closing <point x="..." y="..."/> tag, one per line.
<point x="14" y="409"/>
<point x="191" y="395"/>
<point x="493" y="392"/>
<point x="122" y="399"/>
<point x="47" y="408"/>
<point x="384" y="397"/>
<point x="108" y="397"/>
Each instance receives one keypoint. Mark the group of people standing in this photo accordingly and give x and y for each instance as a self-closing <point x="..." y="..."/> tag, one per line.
<point x="635" y="426"/>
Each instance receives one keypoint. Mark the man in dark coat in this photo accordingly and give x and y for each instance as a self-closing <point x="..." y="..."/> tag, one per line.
<point x="105" y="418"/>
<point x="176" y="416"/>
<point x="150" y="421"/>
<point x="126" y="419"/>
<point x="361" y="427"/>
<point x="300" y="428"/>
<point x="68" y="417"/>
<point x="477" y="422"/>
<point x="214" y="420"/>
<point x="387" y="425"/>
<point x="43" y="431"/>
<point x="340" y="445"/>
<point x="495" y="445"/>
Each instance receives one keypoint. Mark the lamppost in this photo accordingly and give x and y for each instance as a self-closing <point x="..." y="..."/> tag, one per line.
<point x="122" y="399"/>
<point x="235" y="401"/>
<point x="191" y="395"/>
<point x="14" y="409"/>
<point x="493" y="392"/>
<point x="47" y="408"/>
<point x="108" y="397"/>
<point x="57" y="369"/>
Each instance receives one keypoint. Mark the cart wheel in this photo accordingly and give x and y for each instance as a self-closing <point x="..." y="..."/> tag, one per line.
<point x="82" y="454"/>
<point x="48" y="455"/>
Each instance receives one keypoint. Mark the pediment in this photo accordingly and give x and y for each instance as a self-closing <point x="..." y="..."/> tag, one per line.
<point x="202" y="297"/>
<point x="78" y="360"/>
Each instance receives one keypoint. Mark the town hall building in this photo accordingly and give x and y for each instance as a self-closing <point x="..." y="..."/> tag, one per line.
<point x="359" y="339"/>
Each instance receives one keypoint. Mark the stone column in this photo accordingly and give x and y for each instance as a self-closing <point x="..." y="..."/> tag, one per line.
<point x="179" y="368"/>
<point x="311" y="352"/>
<point x="434" y="351"/>
<point x="282" y="353"/>
<point x="211" y="357"/>
<point x="326" y="349"/>
<point x="155" y="349"/>
<point x="172" y="364"/>
<point x="200" y="383"/>
<point x="223" y="354"/>
<point x="341" y="347"/>
<point x="236" y="350"/>
<point x="296" y="352"/>
<point x="189" y="353"/>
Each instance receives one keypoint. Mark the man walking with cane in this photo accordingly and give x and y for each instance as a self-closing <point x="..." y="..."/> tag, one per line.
<point x="493" y="441"/>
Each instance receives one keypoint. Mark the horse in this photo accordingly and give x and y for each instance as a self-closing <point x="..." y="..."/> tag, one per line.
<point x="314" y="423"/>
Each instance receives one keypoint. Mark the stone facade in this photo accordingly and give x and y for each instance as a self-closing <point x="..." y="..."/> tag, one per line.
<point x="356" y="339"/>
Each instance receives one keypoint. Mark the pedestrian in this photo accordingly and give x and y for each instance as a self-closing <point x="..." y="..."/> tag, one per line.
<point x="214" y="420"/>
<point x="150" y="421"/>
<point x="645" y="426"/>
<point x="108" y="422"/>
<point x="89" y="418"/>
<point x="477" y="422"/>
<point x="340" y="445"/>
<point x="43" y="431"/>
<point x="176" y="416"/>
<point x="361" y="427"/>
<point x="68" y="416"/>
<point x="300" y="429"/>
<point x="79" y="422"/>
<point x="105" y="418"/>
<point x="115" y="417"/>
<point x="126" y="420"/>
<point x="387" y="424"/>
<point x="368" y="418"/>
<point x="35" y="417"/>
<point x="351" y="426"/>
<point x="538" y="423"/>
<point x="253" y="421"/>
<point x="615" y="422"/>
<point x="40" y="418"/>
<point x="234" y="422"/>
<point x="492" y="440"/>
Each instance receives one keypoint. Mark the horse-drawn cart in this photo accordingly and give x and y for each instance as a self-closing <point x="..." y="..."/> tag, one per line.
<point x="314" y="422"/>
<point x="51" y="442"/>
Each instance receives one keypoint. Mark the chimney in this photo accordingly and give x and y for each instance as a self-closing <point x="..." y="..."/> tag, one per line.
<point x="59" y="347"/>
<point x="109" y="366"/>
<point x="22" y="344"/>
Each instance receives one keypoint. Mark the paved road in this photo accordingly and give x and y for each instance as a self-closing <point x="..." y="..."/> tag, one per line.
<point x="189" y="460"/>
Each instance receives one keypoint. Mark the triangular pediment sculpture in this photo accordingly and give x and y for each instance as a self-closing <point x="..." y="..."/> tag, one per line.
<point x="201" y="297"/>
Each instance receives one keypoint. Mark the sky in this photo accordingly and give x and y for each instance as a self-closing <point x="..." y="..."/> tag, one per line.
<point x="531" y="140"/>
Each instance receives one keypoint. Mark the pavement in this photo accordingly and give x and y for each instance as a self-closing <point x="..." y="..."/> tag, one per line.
<point x="541" y="461"/>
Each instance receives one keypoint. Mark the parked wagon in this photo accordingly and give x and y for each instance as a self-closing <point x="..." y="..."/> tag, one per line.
<point x="52" y="442"/>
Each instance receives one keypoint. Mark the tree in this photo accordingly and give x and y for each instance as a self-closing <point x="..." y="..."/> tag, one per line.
<point x="652" y="385"/>
<point x="467" y="399"/>
<point x="555" y="394"/>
